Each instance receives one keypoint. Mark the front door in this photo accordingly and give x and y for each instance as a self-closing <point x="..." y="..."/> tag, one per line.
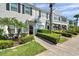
<point x="30" y="29"/>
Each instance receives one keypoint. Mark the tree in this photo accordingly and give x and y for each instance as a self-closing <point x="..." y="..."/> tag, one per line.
<point x="76" y="23"/>
<point x="76" y="16"/>
<point x="12" y="21"/>
<point x="6" y="21"/>
<point x="50" y="16"/>
<point x="19" y="25"/>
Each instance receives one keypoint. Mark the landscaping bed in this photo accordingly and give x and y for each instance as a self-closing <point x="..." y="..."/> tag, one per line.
<point x="30" y="49"/>
<point x="63" y="33"/>
<point x="55" y="38"/>
<point x="10" y="43"/>
<point x="6" y="44"/>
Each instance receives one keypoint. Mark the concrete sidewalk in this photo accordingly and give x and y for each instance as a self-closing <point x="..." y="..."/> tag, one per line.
<point x="68" y="48"/>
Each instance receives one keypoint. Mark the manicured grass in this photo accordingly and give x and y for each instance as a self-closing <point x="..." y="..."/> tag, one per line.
<point x="29" y="49"/>
<point x="62" y="40"/>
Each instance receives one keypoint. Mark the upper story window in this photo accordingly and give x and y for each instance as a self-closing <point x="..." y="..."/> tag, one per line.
<point x="55" y="17"/>
<point x="27" y="9"/>
<point x="14" y="6"/>
<point x="64" y="19"/>
<point x="43" y="14"/>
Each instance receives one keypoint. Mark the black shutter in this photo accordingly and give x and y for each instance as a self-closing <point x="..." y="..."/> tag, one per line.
<point x="39" y="13"/>
<point x="19" y="8"/>
<point x="23" y="9"/>
<point x="47" y="15"/>
<point x="7" y="6"/>
<point x="30" y="10"/>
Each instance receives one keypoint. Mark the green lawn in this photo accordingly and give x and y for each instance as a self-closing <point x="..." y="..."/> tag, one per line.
<point x="29" y="49"/>
<point x="62" y="40"/>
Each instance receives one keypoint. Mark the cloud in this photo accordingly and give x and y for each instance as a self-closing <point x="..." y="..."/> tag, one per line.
<point x="41" y="5"/>
<point x="66" y="9"/>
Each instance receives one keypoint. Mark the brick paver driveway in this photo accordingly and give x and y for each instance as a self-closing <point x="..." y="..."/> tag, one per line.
<point x="68" y="48"/>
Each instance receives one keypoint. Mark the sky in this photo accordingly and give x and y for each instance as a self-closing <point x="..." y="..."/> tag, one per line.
<point x="66" y="9"/>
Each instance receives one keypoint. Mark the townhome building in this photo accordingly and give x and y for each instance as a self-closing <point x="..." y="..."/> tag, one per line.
<point x="58" y="22"/>
<point x="34" y="17"/>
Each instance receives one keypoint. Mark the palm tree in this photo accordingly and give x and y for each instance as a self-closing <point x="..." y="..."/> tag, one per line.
<point x="50" y="16"/>
<point x="19" y="25"/>
<point x="12" y="21"/>
<point x="6" y="21"/>
<point x="76" y="16"/>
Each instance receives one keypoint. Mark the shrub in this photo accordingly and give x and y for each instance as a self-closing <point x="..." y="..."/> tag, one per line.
<point x="66" y="34"/>
<point x="49" y="37"/>
<point x="75" y="33"/>
<point x="6" y="44"/>
<point x="72" y="32"/>
<point x="43" y="31"/>
<point x="63" y="33"/>
<point x="23" y="34"/>
<point x="1" y="33"/>
<point x="62" y="40"/>
<point x="26" y="39"/>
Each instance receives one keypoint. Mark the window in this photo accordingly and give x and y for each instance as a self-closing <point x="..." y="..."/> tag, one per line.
<point x="14" y="6"/>
<point x="12" y="29"/>
<point x="56" y="18"/>
<point x="64" y="19"/>
<point x="43" y="14"/>
<point x="26" y="10"/>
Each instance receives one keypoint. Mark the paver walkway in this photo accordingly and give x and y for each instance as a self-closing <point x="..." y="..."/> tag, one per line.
<point x="68" y="48"/>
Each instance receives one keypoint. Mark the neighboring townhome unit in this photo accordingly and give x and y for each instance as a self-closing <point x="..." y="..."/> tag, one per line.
<point x="58" y="22"/>
<point x="35" y="18"/>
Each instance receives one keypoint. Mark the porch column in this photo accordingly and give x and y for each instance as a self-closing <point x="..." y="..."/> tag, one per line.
<point x="5" y="29"/>
<point x="61" y="27"/>
<point x="67" y="27"/>
<point x="15" y="30"/>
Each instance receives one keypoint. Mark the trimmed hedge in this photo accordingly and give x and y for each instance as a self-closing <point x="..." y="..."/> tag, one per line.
<point x="66" y="34"/>
<point x="49" y="37"/>
<point x="43" y="31"/>
<point x="26" y="39"/>
<point x="63" y="33"/>
<point x="72" y="32"/>
<point x="6" y="44"/>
